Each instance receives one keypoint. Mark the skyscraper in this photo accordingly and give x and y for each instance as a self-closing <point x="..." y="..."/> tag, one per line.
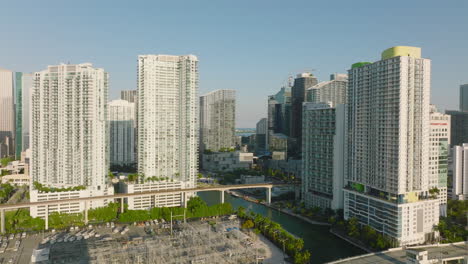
<point x="260" y="135"/>
<point x="330" y="91"/>
<point x="458" y="127"/>
<point x="129" y="96"/>
<point x="460" y="172"/>
<point x="439" y="147"/>
<point x="464" y="97"/>
<point x="323" y="141"/>
<point x="387" y="182"/>
<point x="69" y="126"/>
<point x="168" y="117"/>
<point x="7" y="116"/>
<point x="68" y="135"/>
<point x="217" y="120"/>
<point x="121" y="132"/>
<point x="279" y="112"/>
<point x="302" y="82"/>
<point x="23" y="89"/>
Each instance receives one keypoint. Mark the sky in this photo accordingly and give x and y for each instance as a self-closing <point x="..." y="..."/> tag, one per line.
<point x="251" y="46"/>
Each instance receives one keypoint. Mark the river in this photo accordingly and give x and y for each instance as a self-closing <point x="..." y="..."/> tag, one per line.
<point x="323" y="245"/>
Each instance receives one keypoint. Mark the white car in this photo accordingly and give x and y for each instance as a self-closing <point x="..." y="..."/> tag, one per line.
<point x="11" y="236"/>
<point x="23" y="235"/>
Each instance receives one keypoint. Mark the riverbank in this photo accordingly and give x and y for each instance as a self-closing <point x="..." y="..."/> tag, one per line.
<point x="284" y="211"/>
<point x="351" y="241"/>
<point x="317" y="238"/>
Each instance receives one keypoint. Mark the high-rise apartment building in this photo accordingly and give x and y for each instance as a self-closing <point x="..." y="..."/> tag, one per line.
<point x="439" y="147"/>
<point x="464" y="97"/>
<point x="167" y="128"/>
<point x="261" y="135"/>
<point x="458" y="127"/>
<point x="7" y="116"/>
<point x="129" y="96"/>
<point x="217" y="120"/>
<point x="460" y="172"/>
<point x="279" y="112"/>
<point x="330" y="91"/>
<point x="302" y="82"/>
<point x="121" y="132"/>
<point x="323" y="141"/>
<point x="69" y="135"/>
<point x="23" y="89"/>
<point x="387" y="170"/>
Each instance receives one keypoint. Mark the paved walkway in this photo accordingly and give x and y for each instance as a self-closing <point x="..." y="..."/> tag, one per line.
<point x="274" y="255"/>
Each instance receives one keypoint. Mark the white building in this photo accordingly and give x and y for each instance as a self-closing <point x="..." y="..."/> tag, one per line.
<point x="330" y="91"/>
<point x="323" y="140"/>
<point x="460" y="172"/>
<point x="439" y="147"/>
<point x="146" y="202"/>
<point x="387" y="171"/>
<point x="227" y="161"/>
<point x="69" y="135"/>
<point x="7" y="116"/>
<point x="168" y="118"/>
<point x="121" y="132"/>
<point x="217" y="120"/>
<point x="17" y="179"/>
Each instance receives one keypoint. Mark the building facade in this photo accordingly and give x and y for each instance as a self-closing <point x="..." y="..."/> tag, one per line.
<point x="129" y="96"/>
<point x="168" y="118"/>
<point x="464" y="97"/>
<point x="279" y="112"/>
<point x="323" y="141"/>
<point x="121" y="132"/>
<point x="439" y="147"/>
<point x="227" y="161"/>
<point x="387" y="182"/>
<point x="23" y="89"/>
<point x="217" y="120"/>
<point x="261" y="135"/>
<point x="69" y="134"/>
<point x="330" y="91"/>
<point x="458" y="127"/>
<point x="302" y="82"/>
<point x="460" y="172"/>
<point x="7" y="118"/>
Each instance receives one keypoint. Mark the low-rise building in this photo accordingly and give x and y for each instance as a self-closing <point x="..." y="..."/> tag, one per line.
<point x="16" y="179"/>
<point x="251" y="179"/>
<point x="146" y="202"/>
<point x="69" y="208"/>
<point x="227" y="161"/>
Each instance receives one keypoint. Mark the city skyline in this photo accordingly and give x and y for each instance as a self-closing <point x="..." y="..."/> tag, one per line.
<point x="262" y="34"/>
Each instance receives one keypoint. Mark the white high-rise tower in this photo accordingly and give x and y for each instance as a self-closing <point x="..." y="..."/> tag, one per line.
<point x="387" y="173"/>
<point x="167" y="128"/>
<point x="69" y="135"/>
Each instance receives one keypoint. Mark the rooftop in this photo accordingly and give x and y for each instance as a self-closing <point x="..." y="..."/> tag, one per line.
<point x="398" y="255"/>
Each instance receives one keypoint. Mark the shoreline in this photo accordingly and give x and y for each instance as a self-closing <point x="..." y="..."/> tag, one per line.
<point x="351" y="241"/>
<point x="249" y="199"/>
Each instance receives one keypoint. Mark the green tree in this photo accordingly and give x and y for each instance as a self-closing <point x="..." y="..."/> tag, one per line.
<point x="353" y="227"/>
<point x="248" y="224"/>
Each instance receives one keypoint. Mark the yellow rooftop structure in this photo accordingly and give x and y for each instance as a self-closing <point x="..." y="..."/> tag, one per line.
<point x="401" y="51"/>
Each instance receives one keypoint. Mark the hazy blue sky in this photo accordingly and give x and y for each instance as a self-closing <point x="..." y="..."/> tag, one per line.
<point x="250" y="46"/>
